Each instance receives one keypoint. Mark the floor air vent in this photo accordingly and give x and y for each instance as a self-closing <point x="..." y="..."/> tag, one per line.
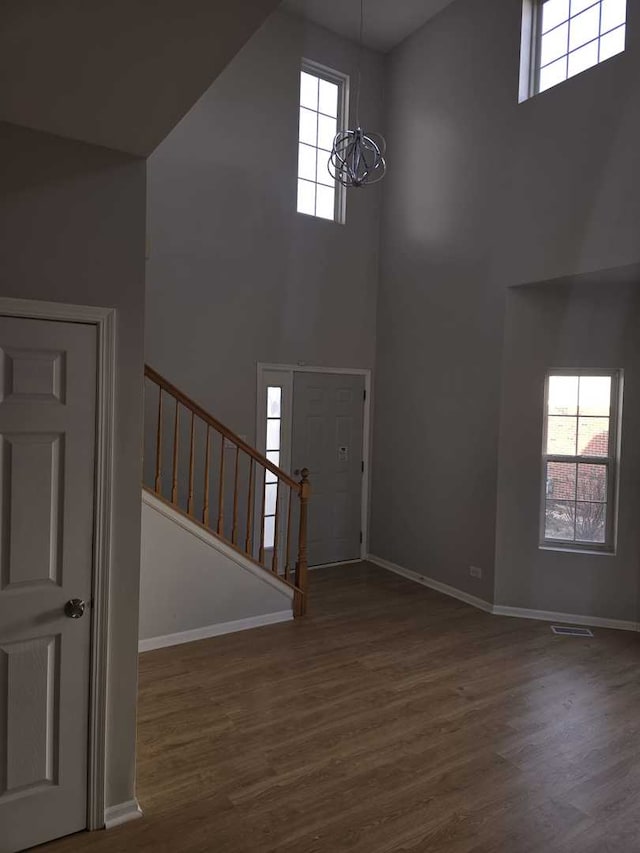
<point x="571" y="631"/>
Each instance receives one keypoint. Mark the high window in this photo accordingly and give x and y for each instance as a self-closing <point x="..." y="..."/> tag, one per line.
<point x="323" y="95"/>
<point x="580" y="459"/>
<point x="569" y="36"/>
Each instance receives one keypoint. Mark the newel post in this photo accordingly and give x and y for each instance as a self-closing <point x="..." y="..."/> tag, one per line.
<point x="302" y="568"/>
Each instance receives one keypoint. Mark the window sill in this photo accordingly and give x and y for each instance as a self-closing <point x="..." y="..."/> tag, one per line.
<point x="594" y="552"/>
<point x="321" y="218"/>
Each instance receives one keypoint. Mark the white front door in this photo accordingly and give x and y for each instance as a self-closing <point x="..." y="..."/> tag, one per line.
<point x="47" y="450"/>
<point x="327" y="438"/>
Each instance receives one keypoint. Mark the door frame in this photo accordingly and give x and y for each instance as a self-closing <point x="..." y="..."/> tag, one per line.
<point x="104" y="319"/>
<point x="287" y="371"/>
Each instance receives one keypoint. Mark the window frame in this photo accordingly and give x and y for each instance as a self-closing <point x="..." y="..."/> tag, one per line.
<point x="276" y="379"/>
<point x="270" y="479"/>
<point x="611" y="462"/>
<point x="341" y="80"/>
<point x="531" y="43"/>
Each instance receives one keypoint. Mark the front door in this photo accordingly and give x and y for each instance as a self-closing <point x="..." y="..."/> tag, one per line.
<point x="47" y="449"/>
<point x="328" y="416"/>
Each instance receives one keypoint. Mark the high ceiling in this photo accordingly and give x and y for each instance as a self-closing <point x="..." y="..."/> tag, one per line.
<point x="113" y="74"/>
<point x="387" y="22"/>
<point x="118" y="73"/>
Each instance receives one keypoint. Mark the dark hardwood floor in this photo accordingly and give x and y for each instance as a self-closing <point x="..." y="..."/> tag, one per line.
<point x="392" y="719"/>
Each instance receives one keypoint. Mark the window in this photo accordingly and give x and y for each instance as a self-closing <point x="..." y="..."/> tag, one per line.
<point x="274" y="432"/>
<point x="322" y="109"/>
<point x="569" y="36"/>
<point x="580" y="453"/>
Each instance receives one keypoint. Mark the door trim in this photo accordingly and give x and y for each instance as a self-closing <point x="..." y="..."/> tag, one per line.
<point x="288" y="370"/>
<point x="105" y="321"/>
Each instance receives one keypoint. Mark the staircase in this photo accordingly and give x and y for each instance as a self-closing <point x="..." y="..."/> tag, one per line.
<point x="208" y="474"/>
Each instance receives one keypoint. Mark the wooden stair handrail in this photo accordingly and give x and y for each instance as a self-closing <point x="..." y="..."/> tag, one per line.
<point x="211" y="532"/>
<point x="195" y="408"/>
<point x="232" y="530"/>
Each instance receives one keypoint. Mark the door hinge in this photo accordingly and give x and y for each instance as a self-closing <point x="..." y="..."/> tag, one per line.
<point x="361" y="537"/>
<point x="364" y="394"/>
<point x="362" y="466"/>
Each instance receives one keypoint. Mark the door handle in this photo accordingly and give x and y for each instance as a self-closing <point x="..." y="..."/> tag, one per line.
<point x="74" y="608"/>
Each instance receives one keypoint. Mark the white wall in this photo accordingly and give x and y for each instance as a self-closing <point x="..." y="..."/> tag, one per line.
<point x="482" y="193"/>
<point x="235" y="275"/>
<point x="188" y="581"/>
<point x="72" y="219"/>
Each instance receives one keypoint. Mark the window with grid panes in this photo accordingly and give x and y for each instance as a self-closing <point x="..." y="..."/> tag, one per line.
<point x="573" y="35"/>
<point x="580" y="459"/>
<point x="322" y="107"/>
<point x="274" y="431"/>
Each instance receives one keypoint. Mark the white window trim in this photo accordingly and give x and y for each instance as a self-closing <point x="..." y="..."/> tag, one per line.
<point x="612" y="462"/>
<point x="342" y="81"/>
<point x="530" y="10"/>
<point x="285" y="382"/>
<point x="529" y="51"/>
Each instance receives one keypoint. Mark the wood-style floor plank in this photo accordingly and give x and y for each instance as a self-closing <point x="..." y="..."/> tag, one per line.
<point x="391" y="720"/>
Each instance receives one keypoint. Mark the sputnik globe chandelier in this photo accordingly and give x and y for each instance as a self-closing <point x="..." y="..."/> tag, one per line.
<point x="357" y="158"/>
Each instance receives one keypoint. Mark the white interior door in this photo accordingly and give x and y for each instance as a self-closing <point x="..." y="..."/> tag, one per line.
<point x="47" y="450"/>
<point x="327" y="438"/>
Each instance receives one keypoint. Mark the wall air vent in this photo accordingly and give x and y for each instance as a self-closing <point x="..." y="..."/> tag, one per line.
<point x="571" y="631"/>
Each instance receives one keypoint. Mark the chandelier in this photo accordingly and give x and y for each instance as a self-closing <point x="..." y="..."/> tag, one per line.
<point x="357" y="158"/>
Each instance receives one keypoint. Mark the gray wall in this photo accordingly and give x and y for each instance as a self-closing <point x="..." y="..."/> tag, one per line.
<point x="583" y="325"/>
<point x="235" y="275"/>
<point x="482" y="193"/>
<point x="121" y="73"/>
<point x="72" y="220"/>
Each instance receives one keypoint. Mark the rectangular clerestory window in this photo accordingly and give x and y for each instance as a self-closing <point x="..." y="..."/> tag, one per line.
<point x="323" y="111"/>
<point x="562" y="38"/>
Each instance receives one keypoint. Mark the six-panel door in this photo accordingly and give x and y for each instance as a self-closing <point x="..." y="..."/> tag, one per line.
<point x="47" y="449"/>
<point x="327" y="438"/>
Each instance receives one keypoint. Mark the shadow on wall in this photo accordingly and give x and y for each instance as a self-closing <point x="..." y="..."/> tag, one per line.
<point x="582" y="322"/>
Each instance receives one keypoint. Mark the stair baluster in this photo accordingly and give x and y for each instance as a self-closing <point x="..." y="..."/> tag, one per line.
<point x="274" y="557"/>
<point x="174" y="476"/>
<point x="207" y="467"/>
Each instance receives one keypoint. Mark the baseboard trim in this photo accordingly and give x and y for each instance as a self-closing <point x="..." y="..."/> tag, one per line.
<point x="502" y="610"/>
<point x="208" y="631"/>
<point x="122" y="813"/>
<point x="438" y="586"/>
<point x="565" y="618"/>
<point x="334" y="565"/>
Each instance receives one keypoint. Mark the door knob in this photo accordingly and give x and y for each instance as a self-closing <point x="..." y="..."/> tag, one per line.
<point x="74" y="608"/>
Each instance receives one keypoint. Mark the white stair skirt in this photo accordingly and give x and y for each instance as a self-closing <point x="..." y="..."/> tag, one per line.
<point x="195" y="586"/>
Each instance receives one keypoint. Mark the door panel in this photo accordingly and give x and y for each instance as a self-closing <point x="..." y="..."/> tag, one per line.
<point x="31" y="475"/>
<point x="30" y="667"/>
<point x="328" y="416"/>
<point x="47" y="452"/>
